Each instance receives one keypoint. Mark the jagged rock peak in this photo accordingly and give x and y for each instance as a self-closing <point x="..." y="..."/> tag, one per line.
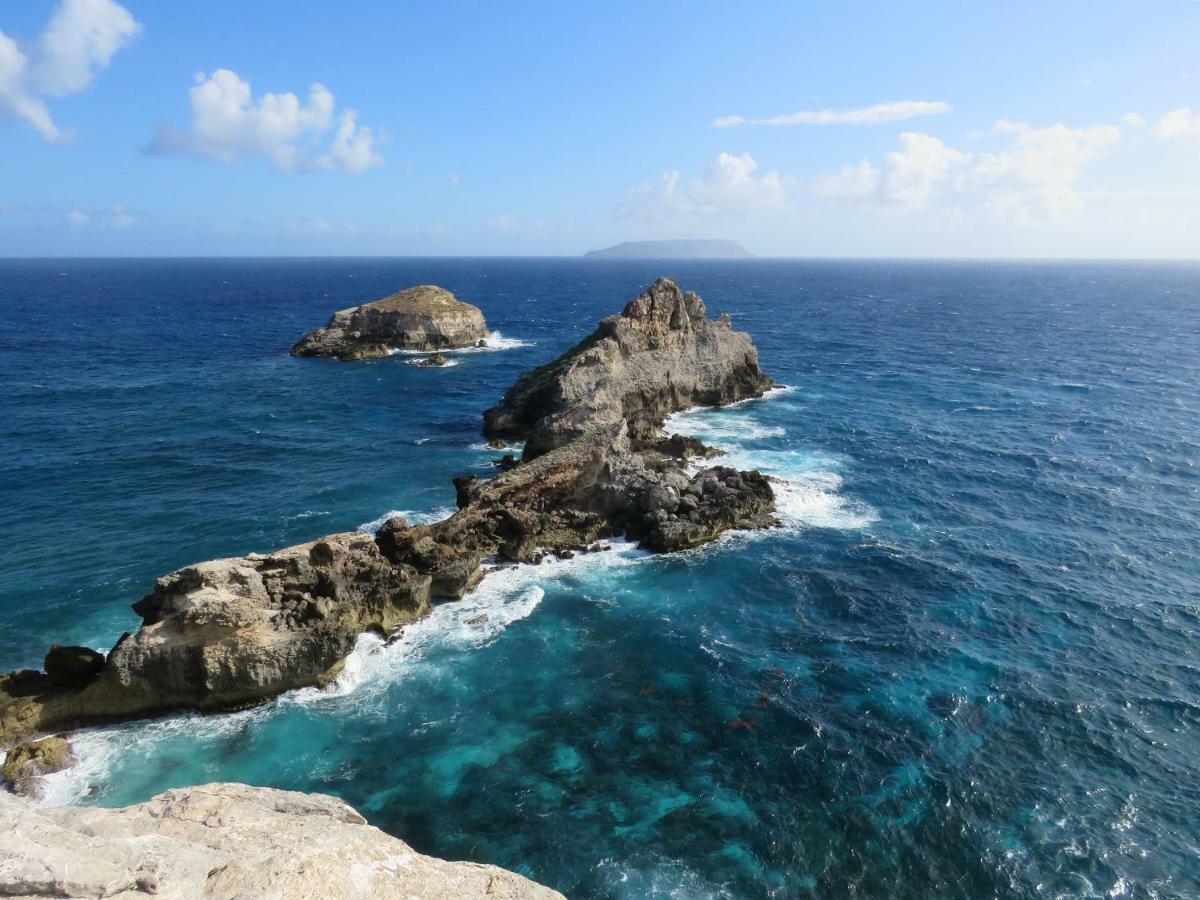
<point x="662" y="354"/>
<point x="665" y="302"/>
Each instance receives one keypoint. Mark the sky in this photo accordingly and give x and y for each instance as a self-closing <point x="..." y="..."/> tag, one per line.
<point x="858" y="129"/>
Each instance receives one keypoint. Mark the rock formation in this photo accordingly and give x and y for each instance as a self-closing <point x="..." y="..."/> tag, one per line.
<point x="238" y="631"/>
<point x="25" y="765"/>
<point x="660" y="355"/>
<point x="228" y="840"/>
<point x="425" y="317"/>
<point x="230" y="632"/>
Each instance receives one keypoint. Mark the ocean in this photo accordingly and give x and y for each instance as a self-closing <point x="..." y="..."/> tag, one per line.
<point x="966" y="664"/>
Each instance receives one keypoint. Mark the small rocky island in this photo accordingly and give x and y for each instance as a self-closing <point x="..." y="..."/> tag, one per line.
<point x="232" y="632"/>
<point x="426" y="317"/>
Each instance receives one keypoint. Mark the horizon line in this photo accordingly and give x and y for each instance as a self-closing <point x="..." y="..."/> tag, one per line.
<point x="605" y="260"/>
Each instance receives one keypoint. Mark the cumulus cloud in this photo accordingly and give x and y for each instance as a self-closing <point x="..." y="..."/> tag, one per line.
<point x="1035" y="176"/>
<point x="905" y="179"/>
<point x="867" y="115"/>
<point x="1133" y="120"/>
<point x="730" y="186"/>
<point x="229" y="125"/>
<point x="1178" y="123"/>
<point x="77" y="218"/>
<point x="79" y="41"/>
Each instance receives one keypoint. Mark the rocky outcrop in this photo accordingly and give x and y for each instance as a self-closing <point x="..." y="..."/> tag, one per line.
<point x="231" y="632"/>
<point x="238" y="631"/>
<point x="425" y="317"/>
<point x="224" y="841"/>
<point x="25" y="765"/>
<point x="662" y="354"/>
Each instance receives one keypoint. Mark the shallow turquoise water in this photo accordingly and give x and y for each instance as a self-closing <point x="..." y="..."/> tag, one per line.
<point x="965" y="666"/>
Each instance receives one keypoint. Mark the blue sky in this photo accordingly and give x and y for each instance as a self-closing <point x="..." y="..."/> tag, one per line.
<point x="858" y="129"/>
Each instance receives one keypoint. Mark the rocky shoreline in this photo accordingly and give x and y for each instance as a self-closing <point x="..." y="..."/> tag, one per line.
<point x="234" y="632"/>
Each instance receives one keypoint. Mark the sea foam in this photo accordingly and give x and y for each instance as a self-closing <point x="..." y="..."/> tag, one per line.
<point x="495" y="342"/>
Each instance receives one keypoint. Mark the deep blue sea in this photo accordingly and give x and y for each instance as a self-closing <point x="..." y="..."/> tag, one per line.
<point x="966" y="666"/>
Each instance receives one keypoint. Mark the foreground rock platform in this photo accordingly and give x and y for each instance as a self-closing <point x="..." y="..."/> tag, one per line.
<point x="426" y="317"/>
<point x="226" y="841"/>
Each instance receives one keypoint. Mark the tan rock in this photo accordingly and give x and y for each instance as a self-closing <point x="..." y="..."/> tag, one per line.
<point x="24" y="765"/>
<point x="228" y="841"/>
<point x="231" y="632"/>
<point x="426" y="317"/>
<point x="662" y="354"/>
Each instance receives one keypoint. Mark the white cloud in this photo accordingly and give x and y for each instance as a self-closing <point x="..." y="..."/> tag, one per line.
<point x="120" y="218"/>
<point x="353" y="147"/>
<point x="730" y="186"/>
<point x="502" y="222"/>
<point x="869" y="115"/>
<point x="1133" y="120"/>
<point x="1033" y="177"/>
<point x="80" y="40"/>
<point x="1037" y="176"/>
<point x="1178" y="123"/>
<point x="319" y="226"/>
<point x="728" y="121"/>
<point x="905" y="179"/>
<point x="229" y="125"/>
<point x="114" y="217"/>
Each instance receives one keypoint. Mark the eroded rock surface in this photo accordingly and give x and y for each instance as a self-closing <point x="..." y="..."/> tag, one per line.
<point x="425" y="317"/>
<point x="662" y="354"/>
<point x="225" y="841"/>
<point x="25" y="765"/>
<point x="230" y="632"/>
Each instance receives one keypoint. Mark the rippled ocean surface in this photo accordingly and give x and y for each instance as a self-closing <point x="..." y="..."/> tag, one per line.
<point x="967" y="664"/>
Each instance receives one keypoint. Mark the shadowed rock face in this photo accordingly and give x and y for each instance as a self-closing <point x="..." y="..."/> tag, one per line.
<point x="426" y="317"/>
<point x="660" y="355"/>
<point x="238" y="631"/>
<point x="229" y="840"/>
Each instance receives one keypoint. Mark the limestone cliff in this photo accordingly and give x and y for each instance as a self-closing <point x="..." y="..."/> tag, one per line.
<point x="224" y="841"/>
<point x="425" y="317"/>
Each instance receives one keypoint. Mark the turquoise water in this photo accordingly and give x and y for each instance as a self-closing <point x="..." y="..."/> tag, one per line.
<point x="965" y="666"/>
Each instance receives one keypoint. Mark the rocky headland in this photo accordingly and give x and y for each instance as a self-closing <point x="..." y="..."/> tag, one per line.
<point x="425" y="317"/>
<point x="228" y="840"/>
<point x="235" y="632"/>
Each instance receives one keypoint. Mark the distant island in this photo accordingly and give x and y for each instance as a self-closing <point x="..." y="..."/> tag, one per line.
<point x="697" y="249"/>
